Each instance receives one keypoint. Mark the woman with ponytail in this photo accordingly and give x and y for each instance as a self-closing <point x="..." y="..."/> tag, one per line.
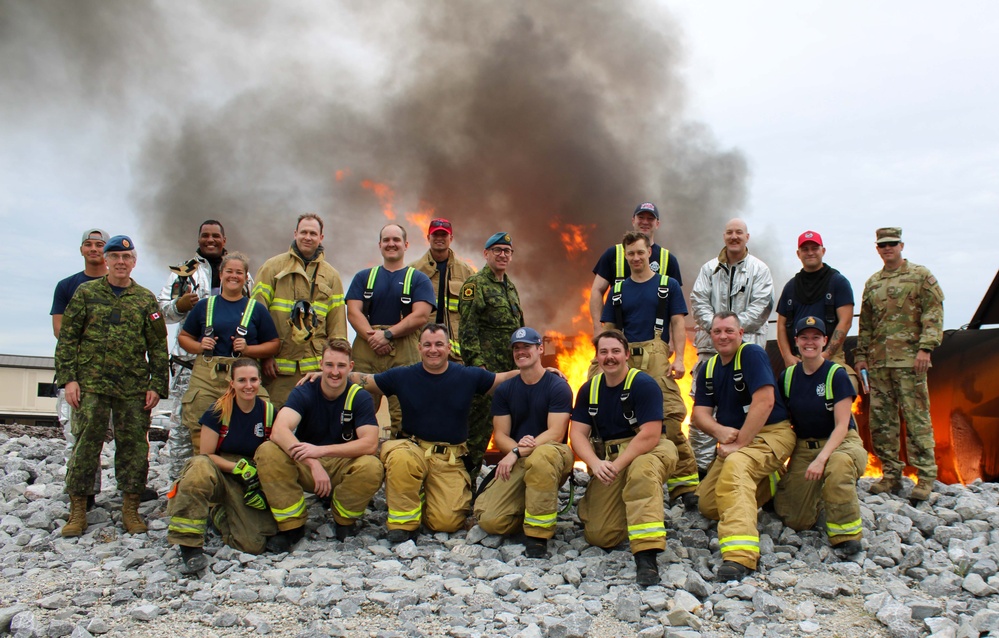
<point x="221" y="483"/>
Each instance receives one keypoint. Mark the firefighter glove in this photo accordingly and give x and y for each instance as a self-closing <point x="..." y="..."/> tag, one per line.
<point x="303" y="322"/>
<point x="246" y="472"/>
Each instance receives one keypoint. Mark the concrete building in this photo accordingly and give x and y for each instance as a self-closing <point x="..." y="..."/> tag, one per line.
<point x="27" y="394"/>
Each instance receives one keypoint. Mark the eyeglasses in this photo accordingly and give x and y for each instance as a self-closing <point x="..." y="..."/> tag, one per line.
<point x="888" y="244"/>
<point x="440" y="223"/>
<point x="120" y="256"/>
<point x="502" y="251"/>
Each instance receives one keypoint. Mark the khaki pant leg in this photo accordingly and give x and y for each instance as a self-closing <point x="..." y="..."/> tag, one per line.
<point x="354" y="482"/>
<point x="797" y="502"/>
<point x="546" y="469"/>
<point x="839" y="490"/>
<point x="643" y="496"/>
<point x="205" y="387"/>
<point x="367" y="361"/>
<point x="448" y="491"/>
<point x="405" y="470"/>
<point x="884" y="421"/>
<point x="707" y="503"/>
<point x="242" y="527"/>
<point x="276" y="390"/>
<point x="735" y="491"/>
<point x="500" y="507"/>
<point x="603" y="514"/>
<point x="200" y="485"/>
<point x="282" y="479"/>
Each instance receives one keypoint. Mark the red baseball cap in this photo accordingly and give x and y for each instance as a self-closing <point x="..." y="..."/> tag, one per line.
<point x="440" y="224"/>
<point x="809" y="236"/>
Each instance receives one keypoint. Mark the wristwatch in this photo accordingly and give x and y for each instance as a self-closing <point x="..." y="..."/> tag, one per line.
<point x="516" y="452"/>
<point x="388" y="334"/>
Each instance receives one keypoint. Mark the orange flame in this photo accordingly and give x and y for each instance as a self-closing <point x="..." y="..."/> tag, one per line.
<point x="573" y="236"/>
<point x="341" y="173"/>
<point x="421" y="218"/>
<point x="384" y="194"/>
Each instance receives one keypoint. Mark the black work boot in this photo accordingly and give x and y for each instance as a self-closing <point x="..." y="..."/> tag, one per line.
<point x="646" y="567"/>
<point x="343" y="532"/>
<point x="194" y="559"/>
<point x="731" y="570"/>
<point x="284" y="541"/>
<point x="535" y="547"/>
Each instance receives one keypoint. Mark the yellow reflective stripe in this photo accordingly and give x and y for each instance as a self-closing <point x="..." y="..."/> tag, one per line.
<point x="540" y="520"/>
<point x="455" y="347"/>
<point x="285" y="365"/>
<point x="407" y="282"/>
<point x="663" y="260"/>
<point x="647" y="530"/>
<point x="619" y="261"/>
<point x="851" y="527"/>
<point x="398" y="517"/>
<point x="343" y="511"/>
<point x="282" y="305"/>
<point x="188" y="525"/>
<point x="336" y="301"/>
<point x="210" y="310"/>
<point x="690" y="479"/>
<point x="371" y="278"/>
<point x="595" y="388"/>
<point x="320" y="308"/>
<point x="737" y="543"/>
<point x="263" y="290"/>
<point x="298" y="509"/>
<point x="309" y="364"/>
<point x="632" y="373"/>
<point x="774" y="480"/>
<point x="710" y="370"/>
<point x="452" y="305"/>
<point x="247" y="313"/>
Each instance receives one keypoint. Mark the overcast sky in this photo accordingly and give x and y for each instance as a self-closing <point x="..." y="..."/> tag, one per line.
<point x="850" y="116"/>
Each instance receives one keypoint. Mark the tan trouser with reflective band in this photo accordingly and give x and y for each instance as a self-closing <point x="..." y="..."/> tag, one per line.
<point x="414" y="474"/>
<point x="206" y="386"/>
<point x="205" y="491"/>
<point x="736" y="486"/>
<point x="285" y="480"/>
<point x="799" y="501"/>
<point x="630" y="508"/>
<point x="404" y="352"/>
<point x="529" y="498"/>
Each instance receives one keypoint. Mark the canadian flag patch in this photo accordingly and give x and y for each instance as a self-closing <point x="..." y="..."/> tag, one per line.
<point x="155" y="316"/>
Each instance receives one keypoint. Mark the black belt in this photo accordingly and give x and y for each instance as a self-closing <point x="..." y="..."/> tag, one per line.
<point x="813" y="445"/>
<point x="184" y="363"/>
<point x="614" y="449"/>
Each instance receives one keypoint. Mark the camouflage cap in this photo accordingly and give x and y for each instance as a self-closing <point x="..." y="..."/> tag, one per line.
<point x="890" y="233"/>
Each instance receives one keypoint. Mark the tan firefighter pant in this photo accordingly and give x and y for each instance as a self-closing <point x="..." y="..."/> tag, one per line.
<point x="799" y="500"/>
<point x="209" y="380"/>
<point x="279" y="388"/>
<point x="205" y="491"/>
<point x="404" y="352"/>
<point x="632" y="506"/>
<point x="284" y="481"/>
<point x="426" y="482"/>
<point x="529" y="498"/>
<point x="737" y="485"/>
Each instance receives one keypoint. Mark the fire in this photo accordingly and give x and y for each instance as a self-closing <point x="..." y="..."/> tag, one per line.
<point x="573" y="236"/>
<point x="384" y="194"/>
<point x="421" y="218"/>
<point x="341" y="173"/>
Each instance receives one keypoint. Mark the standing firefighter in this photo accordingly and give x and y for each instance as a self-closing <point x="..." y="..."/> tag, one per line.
<point x="490" y="312"/>
<point x="111" y="360"/>
<point x="222" y="482"/>
<point x="829" y="455"/>
<point x="901" y="322"/>
<point x="617" y="431"/>
<point x="447" y="274"/>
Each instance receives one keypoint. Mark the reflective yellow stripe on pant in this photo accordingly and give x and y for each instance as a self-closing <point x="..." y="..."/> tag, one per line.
<point x="426" y="482"/>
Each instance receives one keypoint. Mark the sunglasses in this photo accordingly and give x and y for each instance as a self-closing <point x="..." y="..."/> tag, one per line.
<point x="888" y="244"/>
<point x="440" y="223"/>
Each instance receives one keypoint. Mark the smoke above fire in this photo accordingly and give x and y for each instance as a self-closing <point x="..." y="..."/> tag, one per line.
<point x="550" y="121"/>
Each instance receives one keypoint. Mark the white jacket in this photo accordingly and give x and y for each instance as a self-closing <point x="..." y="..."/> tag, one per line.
<point x="747" y="289"/>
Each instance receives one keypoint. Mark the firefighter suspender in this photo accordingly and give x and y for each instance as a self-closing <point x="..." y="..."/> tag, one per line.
<point x="740" y="383"/>
<point x="268" y="423"/>
<point x="244" y="321"/>
<point x="347" y="427"/>
<point x="789" y="373"/>
<point x="620" y="262"/>
<point x="661" y="311"/>
<point x="406" y="299"/>
<point x="627" y="405"/>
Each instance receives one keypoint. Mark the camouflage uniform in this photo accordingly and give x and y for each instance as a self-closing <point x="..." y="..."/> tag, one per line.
<point x="900" y="314"/>
<point x="104" y="345"/>
<point x="490" y="312"/>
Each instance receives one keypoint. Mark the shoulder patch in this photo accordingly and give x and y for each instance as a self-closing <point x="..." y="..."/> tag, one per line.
<point x="468" y="291"/>
<point x="931" y="280"/>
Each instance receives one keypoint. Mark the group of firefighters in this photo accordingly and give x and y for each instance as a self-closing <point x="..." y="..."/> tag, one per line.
<point x="277" y="403"/>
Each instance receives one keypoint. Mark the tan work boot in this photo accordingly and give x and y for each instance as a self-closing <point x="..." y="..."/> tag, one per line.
<point x="922" y="490"/>
<point x="886" y="484"/>
<point x="77" y="523"/>
<point x="130" y="515"/>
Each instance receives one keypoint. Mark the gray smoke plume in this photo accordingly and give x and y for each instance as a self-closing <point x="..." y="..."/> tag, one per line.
<point x="516" y="116"/>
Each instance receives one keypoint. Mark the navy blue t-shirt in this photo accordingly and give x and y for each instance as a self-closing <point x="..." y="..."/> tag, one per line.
<point x="64" y="291"/>
<point x="246" y="429"/>
<point x="435" y="407"/>
<point x="322" y="419"/>
<point x="640" y="305"/>
<point x="226" y="317"/>
<point x="646" y="397"/>
<point x="839" y="288"/>
<point x="529" y="405"/>
<point x="606" y="267"/>
<point x="385" y="308"/>
<point x="807" y="402"/>
<point x="756" y="373"/>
